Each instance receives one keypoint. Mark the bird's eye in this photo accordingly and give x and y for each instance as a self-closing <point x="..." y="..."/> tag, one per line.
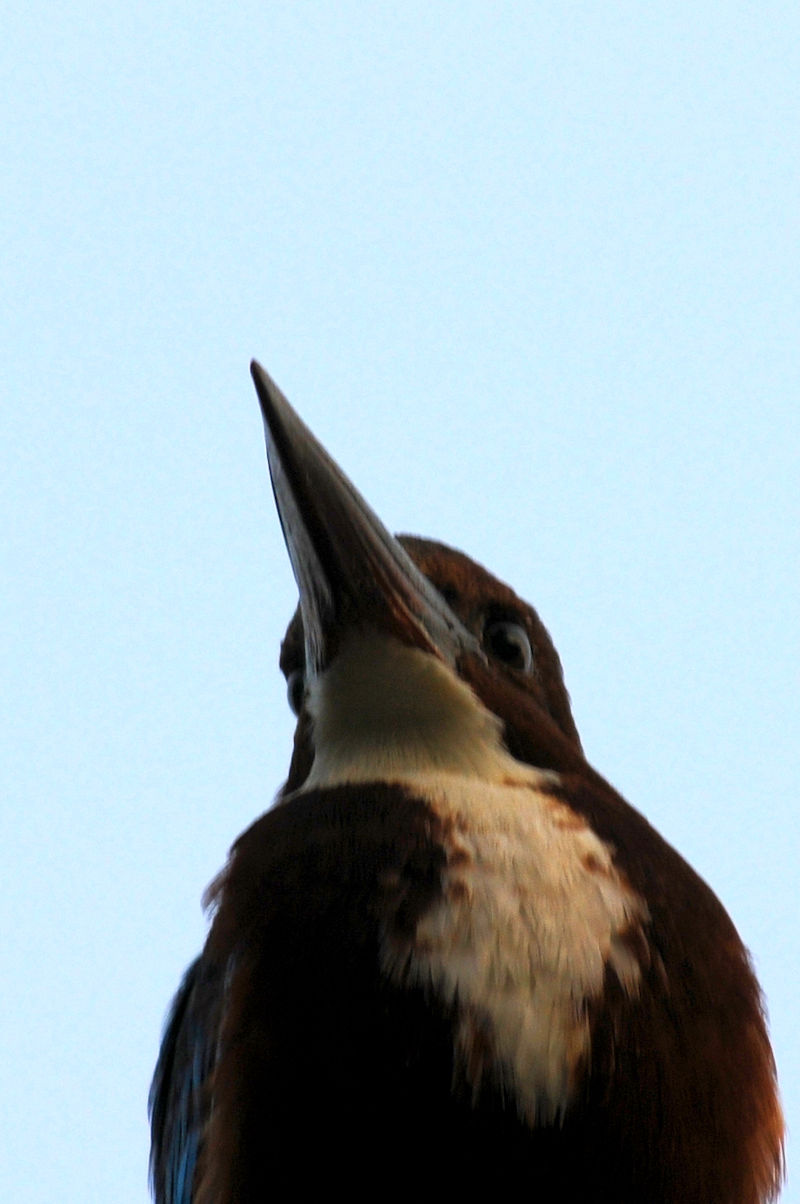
<point x="295" y="689"/>
<point x="508" y="642"/>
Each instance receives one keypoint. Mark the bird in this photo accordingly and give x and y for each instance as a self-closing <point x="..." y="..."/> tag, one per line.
<point x="450" y="957"/>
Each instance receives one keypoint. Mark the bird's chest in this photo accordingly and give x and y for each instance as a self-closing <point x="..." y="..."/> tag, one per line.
<point x="530" y="917"/>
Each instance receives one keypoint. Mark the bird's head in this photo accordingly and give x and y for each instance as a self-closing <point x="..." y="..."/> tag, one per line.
<point x="399" y="643"/>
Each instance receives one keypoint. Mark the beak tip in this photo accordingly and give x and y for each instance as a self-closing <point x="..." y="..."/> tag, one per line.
<point x="274" y="407"/>
<point x="270" y="397"/>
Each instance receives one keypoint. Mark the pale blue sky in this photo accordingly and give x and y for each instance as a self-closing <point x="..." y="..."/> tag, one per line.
<point x="532" y="273"/>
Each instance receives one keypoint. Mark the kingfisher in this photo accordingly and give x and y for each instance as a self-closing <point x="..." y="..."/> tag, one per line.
<point x="450" y="961"/>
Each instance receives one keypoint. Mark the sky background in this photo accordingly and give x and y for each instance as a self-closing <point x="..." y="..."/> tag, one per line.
<point x="532" y="273"/>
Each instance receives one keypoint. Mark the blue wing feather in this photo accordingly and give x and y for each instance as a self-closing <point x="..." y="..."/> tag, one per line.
<point x="178" y="1103"/>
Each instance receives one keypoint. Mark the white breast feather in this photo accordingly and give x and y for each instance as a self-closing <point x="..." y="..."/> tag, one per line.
<point x="533" y="909"/>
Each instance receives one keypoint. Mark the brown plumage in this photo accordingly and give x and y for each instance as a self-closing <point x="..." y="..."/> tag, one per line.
<point x="477" y="971"/>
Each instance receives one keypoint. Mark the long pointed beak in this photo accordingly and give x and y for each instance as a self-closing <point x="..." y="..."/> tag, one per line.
<point x="349" y="570"/>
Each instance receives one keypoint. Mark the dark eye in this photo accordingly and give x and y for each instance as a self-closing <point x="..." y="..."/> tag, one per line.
<point x="508" y="642"/>
<point x="295" y="689"/>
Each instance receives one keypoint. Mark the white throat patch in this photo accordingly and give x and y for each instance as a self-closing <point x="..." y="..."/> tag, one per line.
<point x="533" y="909"/>
<point x="384" y="711"/>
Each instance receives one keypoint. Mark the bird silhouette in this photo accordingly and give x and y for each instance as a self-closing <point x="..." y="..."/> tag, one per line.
<point x="450" y="961"/>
